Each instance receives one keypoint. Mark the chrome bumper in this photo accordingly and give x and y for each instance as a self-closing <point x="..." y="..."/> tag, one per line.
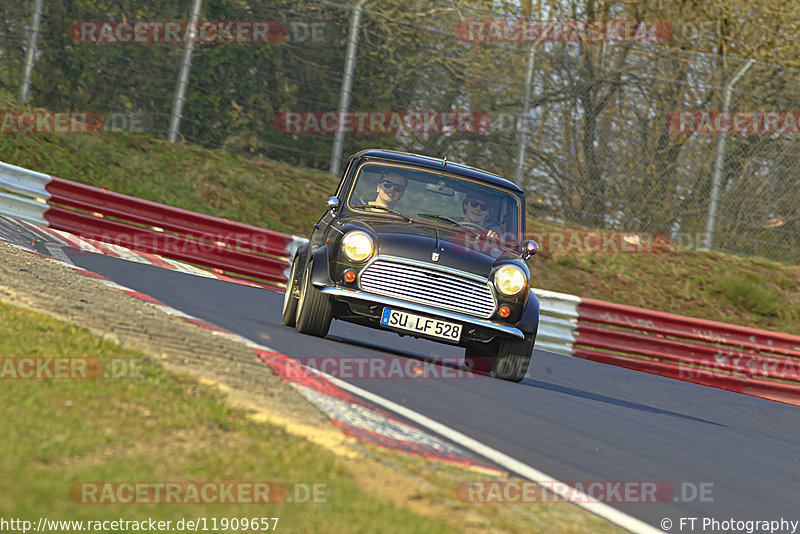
<point x="387" y="301"/>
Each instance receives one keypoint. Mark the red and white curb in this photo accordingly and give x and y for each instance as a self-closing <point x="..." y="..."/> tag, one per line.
<point x="93" y="246"/>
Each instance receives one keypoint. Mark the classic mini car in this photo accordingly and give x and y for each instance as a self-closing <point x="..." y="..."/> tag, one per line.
<point x="422" y="247"/>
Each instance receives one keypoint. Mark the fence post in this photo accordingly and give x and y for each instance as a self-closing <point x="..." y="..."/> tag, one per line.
<point x="30" y="54"/>
<point x="347" y="83"/>
<point x="524" y="127"/>
<point x="719" y="160"/>
<point x="183" y="76"/>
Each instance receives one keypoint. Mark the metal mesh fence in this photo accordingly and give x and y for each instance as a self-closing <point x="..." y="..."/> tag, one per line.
<point x="611" y="144"/>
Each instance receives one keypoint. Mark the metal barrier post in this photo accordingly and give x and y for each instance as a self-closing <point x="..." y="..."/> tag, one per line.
<point x="524" y="130"/>
<point x="30" y="54"/>
<point x="183" y="76"/>
<point x="719" y="160"/>
<point x="347" y="83"/>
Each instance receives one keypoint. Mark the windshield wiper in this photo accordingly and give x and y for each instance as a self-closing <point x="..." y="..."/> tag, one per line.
<point x="390" y="210"/>
<point x="449" y="220"/>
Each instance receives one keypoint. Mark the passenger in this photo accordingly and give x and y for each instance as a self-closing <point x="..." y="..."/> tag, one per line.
<point x="476" y="213"/>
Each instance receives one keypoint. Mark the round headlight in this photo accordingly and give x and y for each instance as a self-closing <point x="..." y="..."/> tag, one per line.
<point x="357" y="246"/>
<point x="509" y="280"/>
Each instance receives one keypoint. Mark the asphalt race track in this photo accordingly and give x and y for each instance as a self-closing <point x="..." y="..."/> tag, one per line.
<point x="572" y="419"/>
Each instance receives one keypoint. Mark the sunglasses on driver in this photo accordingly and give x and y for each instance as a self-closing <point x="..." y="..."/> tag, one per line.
<point x="478" y="204"/>
<point x="387" y="184"/>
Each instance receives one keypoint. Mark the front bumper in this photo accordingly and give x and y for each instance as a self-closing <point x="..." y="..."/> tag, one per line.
<point x="388" y="301"/>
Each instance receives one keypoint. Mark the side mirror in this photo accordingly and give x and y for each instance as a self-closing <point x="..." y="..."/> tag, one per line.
<point x="530" y="248"/>
<point x="332" y="205"/>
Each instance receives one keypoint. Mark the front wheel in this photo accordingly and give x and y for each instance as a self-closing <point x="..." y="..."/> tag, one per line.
<point x="313" y="308"/>
<point x="289" y="314"/>
<point x="513" y="359"/>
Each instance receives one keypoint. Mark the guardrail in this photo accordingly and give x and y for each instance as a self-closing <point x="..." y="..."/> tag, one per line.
<point x="735" y="358"/>
<point x="23" y="194"/>
<point x="745" y="360"/>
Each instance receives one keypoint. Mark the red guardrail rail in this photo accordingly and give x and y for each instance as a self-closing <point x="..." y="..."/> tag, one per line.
<point x="597" y="311"/>
<point x="660" y="348"/>
<point x="776" y="391"/>
<point x="237" y="249"/>
<point x="736" y="358"/>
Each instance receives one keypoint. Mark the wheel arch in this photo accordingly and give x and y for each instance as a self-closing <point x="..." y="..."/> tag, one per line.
<point x="300" y="255"/>
<point x="320" y="275"/>
<point x="529" y="323"/>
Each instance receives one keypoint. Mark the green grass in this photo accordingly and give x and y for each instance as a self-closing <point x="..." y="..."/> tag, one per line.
<point x="156" y="427"/>
<point x="750" y="292"/>
<point x="710" y="285"/>
<point x="264" y="193"/>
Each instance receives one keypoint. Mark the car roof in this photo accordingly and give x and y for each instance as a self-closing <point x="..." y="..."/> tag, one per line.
<point x="439" y="164"/>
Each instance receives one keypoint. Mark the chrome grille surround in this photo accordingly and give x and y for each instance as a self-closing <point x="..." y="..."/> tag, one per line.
<point x="429" y="285"/>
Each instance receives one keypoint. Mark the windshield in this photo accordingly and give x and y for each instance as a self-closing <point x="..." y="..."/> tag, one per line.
<point x="438" y="198"/>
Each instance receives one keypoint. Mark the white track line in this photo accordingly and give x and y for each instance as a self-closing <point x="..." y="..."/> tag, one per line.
<point x="578" y="498"/>
<point x="56" y="251"/>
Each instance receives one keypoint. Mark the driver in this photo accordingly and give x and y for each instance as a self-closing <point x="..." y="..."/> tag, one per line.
<point x="390" y="190"/>
<point x="476" y="212"/>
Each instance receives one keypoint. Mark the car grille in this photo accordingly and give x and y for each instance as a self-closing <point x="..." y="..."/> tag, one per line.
<point x="431" y="287"/>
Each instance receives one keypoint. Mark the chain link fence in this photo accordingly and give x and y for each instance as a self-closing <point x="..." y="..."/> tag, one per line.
<point x="620" y="133"/>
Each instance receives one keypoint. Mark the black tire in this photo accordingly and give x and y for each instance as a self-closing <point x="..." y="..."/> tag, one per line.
<point x="513" y="359"/>
<point x="313" y="308"/>
<point x="480" y="357"/>
<point x="289" y="313"/>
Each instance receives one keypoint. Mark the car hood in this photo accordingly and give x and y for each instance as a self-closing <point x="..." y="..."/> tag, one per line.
<point x="423" y="241"/>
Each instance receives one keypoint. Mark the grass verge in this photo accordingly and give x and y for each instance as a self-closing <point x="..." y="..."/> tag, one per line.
<point x="157" y="427"/>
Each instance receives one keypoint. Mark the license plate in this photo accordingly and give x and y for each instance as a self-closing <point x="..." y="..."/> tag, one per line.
<point x="423" y="325"/>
